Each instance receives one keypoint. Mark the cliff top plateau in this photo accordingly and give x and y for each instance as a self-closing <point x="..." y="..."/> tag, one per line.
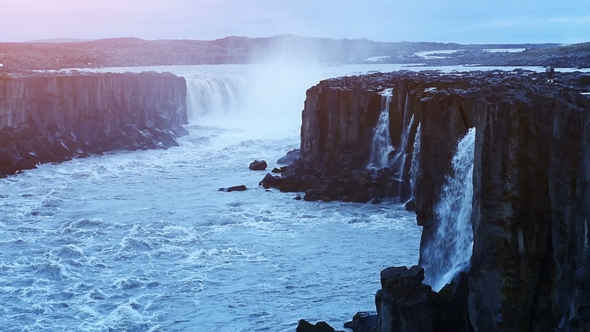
<point x="123" y="52"/>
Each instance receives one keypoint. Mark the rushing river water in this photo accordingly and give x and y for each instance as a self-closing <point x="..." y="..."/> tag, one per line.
<point x="144" y="241"/>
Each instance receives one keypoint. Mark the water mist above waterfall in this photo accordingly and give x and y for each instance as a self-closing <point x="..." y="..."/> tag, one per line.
<point x="450" y="250"/>
<point x="381" y="146"/>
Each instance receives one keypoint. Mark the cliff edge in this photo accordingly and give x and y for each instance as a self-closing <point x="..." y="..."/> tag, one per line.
<point x="54" y="117"/>
<point x="524" y="213"/>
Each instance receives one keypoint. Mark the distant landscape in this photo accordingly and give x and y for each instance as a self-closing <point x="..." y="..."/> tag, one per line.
<point x="65" y="53"/>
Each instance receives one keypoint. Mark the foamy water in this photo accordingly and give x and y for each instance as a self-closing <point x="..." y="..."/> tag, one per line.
<point x="144" y="241"/>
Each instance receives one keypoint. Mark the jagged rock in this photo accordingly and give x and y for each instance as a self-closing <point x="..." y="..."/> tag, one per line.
<point x="410" y="205"/>
<point x="289" y="157"/>
<point x="270" y="181"/>
<point x="363" y="322"/>
<point x="405" y="303"/>
<point x="258" y="165"/>
<point x="305" y="326"/>
<point x="277" y="170"/>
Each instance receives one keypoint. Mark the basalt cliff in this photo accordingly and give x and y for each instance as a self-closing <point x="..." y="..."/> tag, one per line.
<point x="54" y="117"/>
<point x="529" y="209"/>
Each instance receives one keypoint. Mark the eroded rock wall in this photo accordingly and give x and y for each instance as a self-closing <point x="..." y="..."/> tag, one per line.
<point x="529" y="270"/>
<point x="52" y="117"/>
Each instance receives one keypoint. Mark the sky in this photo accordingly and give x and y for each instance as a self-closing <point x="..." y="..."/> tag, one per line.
<point x="461" y="21"/>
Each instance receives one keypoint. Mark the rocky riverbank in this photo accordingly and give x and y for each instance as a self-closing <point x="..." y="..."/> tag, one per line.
<point x="529" y="213"/>
<point x="55" y="117"/>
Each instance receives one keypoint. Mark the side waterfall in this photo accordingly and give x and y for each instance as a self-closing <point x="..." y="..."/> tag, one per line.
<point x="451" y="249"/>
<point x="381" y="146"/>
<point x="415" y="166"/>
<point x="399" y="158"/>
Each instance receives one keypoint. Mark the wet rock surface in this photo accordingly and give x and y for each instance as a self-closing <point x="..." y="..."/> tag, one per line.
<point x="258" y="165"/>
<point x="53" y="117"/>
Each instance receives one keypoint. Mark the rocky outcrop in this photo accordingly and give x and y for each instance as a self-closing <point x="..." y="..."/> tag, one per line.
<point x="54" y="117"/>
<point x="258" y="165"/>
<point x="305" y="326"/>
<point x="336" y="137"/>
<point x="529" y="268"/>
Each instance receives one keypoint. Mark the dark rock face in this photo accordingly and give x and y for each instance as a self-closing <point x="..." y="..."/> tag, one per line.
<point x="363" y="322"/>
<point x="404" y="303"/>
<point x="529" y="269"/>
<point x="258" y="165"/>
<point x="51" y="118"/>
<point x="336" y="137"/>
<point x="305" y="326"/>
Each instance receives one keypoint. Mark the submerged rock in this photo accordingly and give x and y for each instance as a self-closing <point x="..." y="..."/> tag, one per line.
<point x="234" y="188"/>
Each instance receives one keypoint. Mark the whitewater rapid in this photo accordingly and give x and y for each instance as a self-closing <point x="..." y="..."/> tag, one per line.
<point x="144" y="241"/>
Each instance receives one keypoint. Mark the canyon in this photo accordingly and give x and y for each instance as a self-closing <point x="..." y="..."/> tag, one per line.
<point x="527" y="217"/>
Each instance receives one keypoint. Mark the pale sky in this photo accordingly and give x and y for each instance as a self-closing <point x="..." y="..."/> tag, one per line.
<point x="462" y="21"/>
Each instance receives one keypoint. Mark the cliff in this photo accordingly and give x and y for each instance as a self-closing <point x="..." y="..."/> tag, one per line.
<point x="528" y="268"/>
<point x="53" y="117"/>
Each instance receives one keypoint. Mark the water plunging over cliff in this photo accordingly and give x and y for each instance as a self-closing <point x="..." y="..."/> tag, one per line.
<point x="381" y="146"/>
<point x="216" y="95"/>
<point x="399" y="158"/>
<point x="451" y="249"/>
<point x="415" y="166"/>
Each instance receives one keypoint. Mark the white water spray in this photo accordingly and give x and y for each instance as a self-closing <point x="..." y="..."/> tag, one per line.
<point x="450" y="250"/>
<point x="381" y="147"/>
<point x="216" y="95"/>
<point x="415" y="167"/>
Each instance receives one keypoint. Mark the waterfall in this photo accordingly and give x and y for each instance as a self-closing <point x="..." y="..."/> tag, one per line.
<point x="381" y="146"/>
<point x="415" y="166"/>
<point x="449" y="251"/>
<point x="400" y="156"/>
<point x="215" y="95"/>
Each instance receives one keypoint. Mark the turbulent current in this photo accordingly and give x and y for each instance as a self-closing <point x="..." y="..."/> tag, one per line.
<point x="144" y="241"/>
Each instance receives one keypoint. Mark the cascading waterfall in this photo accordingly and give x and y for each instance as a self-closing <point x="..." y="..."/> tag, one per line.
<point x="381" y="147"/>
<point x="400" y="156"/>
<point x="415" y="166"/>
<point x="449" y="251"/>
<point x="215" y="95"/>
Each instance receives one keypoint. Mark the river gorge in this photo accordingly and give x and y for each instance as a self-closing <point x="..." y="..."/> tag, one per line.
<point x="136" y="235"/>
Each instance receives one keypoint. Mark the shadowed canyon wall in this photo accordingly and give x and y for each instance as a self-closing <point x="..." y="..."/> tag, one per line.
<point x="529" y="268"/>
<point x="53" y="117"/>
